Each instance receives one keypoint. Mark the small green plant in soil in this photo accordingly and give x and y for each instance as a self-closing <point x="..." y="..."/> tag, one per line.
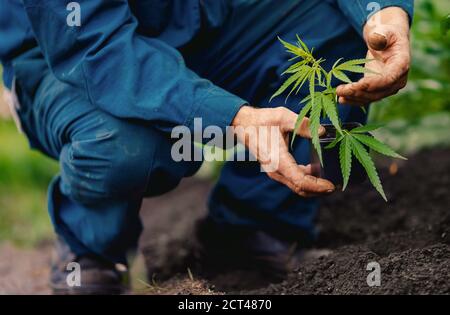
<point x="322" y="102"/>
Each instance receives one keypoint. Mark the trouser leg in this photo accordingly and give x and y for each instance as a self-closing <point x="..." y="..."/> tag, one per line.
<point x="107" y="165"/>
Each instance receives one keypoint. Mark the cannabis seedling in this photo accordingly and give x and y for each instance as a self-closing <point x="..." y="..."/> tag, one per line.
<point x="322" y="102"/>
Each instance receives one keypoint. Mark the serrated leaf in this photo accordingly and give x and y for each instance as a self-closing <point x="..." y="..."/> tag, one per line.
<point x="312" y="83"/>
<point x="312" y="86"/>
<point x="306" y="99"/>
<point x="341" y="76"/>
<point x="295" y="67"/>
<point x="300" y="81"/>
<point x="317" y="94"/>
<point x="355" y="62"/>
<point x="336" y="63"/>
<point x="302" y="114"/>
<point x="286" y="84"/>
<point x="302" y="44"/>
<point x="378" y="146"/>
<point x="366" y="128"/>
<point x="329" y="77"/>
<point x="356" y="69"/>
<point x="329" y="91"/>
<point x="319" y="74"/>
<point x="295" y="50"/>
<point x="314" y="124"/>
<point x="345" y="158"/>
<point x="294" y="58"/>
<point x="331" y="111"/>
<point x="364" y="158"/>
<point x="290" y="47"/>
<point x="335" y="142"/>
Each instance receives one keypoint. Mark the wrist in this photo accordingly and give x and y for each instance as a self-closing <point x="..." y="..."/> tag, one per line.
<point x="243" y="116"/>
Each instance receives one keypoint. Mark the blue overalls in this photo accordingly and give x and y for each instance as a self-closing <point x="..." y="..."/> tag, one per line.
<point x="103" y="97"/>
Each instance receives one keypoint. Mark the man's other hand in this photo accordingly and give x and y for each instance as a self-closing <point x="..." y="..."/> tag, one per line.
<point x="387" y="37"/>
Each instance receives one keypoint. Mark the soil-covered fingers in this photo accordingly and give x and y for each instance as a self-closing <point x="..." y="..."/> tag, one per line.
<point x="305" y="185"/>
<point x="283" y="180"/>
<point x="314" y="185"/>
<point x="297" y="178"/>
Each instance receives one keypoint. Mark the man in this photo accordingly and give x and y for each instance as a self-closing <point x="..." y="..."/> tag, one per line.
<point x="102" y="96"/>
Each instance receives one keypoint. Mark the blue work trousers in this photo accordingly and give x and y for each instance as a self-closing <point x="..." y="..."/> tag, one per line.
<point x="109" y="164"/>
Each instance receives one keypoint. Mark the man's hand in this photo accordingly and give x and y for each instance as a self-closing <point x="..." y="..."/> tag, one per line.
<point x="248" y="123"/>
<point x="387" y="37"/>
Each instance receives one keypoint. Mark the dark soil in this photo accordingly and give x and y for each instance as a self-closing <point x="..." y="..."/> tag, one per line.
<point x="409" y="236"/>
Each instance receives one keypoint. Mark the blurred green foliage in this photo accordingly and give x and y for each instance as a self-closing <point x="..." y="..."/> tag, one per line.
<point x="417" y="117"/>
<point x="24" y="176"/>
<point x="428" y="89"/>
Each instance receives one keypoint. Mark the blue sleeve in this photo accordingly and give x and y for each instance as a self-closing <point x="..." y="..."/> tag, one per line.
<point x="15" y="36"/>
<point x="122" y="72"/>
<point x="358" y="11"/>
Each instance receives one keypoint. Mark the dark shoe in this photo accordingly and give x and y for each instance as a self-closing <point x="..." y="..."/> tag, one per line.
<point x="96" y="276"/>
<point x="230" y="247"/>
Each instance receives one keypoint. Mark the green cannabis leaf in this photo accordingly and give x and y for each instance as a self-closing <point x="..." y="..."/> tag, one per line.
<point x="322" y="100"/>
<point x="331" y="111"/>
<point x="364" y="158"/>
<point x="345" y="158"/>
<point x="314" y="124"/>
<point x="341" y="76"/>
<point x="335" y="142"/>
<point x="367" y="128"/>
<point x="305" y="110"/>
<point x="377" y="145"/>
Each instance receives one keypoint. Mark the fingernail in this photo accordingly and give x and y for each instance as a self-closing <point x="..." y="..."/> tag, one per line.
<point x="329" y="191"/>
<point x="380" y="34"/>
<point x="379" y="41"/>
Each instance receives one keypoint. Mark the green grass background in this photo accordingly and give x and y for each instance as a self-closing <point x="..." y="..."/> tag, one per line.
<point x="416" y="118"/>
<point x="24" y="176"/>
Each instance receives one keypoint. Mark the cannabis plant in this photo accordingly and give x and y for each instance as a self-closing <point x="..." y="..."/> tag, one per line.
<point x="322" y="102"/>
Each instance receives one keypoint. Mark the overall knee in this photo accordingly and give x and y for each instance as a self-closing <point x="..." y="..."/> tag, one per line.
<point x="112" y="165"/>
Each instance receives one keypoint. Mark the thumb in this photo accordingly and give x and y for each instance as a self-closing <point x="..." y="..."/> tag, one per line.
<point x="290" y="124"/>
<point x="378" y="39"/>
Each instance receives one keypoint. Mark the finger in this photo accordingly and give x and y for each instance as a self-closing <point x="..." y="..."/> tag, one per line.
<point x="352" y="101"/>
<point x="380" y="39"/>
<point x="304" y="130"/>
<point x="311" y="184"/>
<point x="366" y="91"/>
<point x="395" y="71"/>
<point x="290" y="173"/>
<point x="393" y="74"/>
<point x="361" y="97"/>
<point x="295" y="188"/>
<point x="307" y="169"/>
<point x="281" y="179"/>
<point x="289" y="120"/>
<point x="297" y="178"/>
<point x="304" y="183"/>
<point x="365" y="98"/>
